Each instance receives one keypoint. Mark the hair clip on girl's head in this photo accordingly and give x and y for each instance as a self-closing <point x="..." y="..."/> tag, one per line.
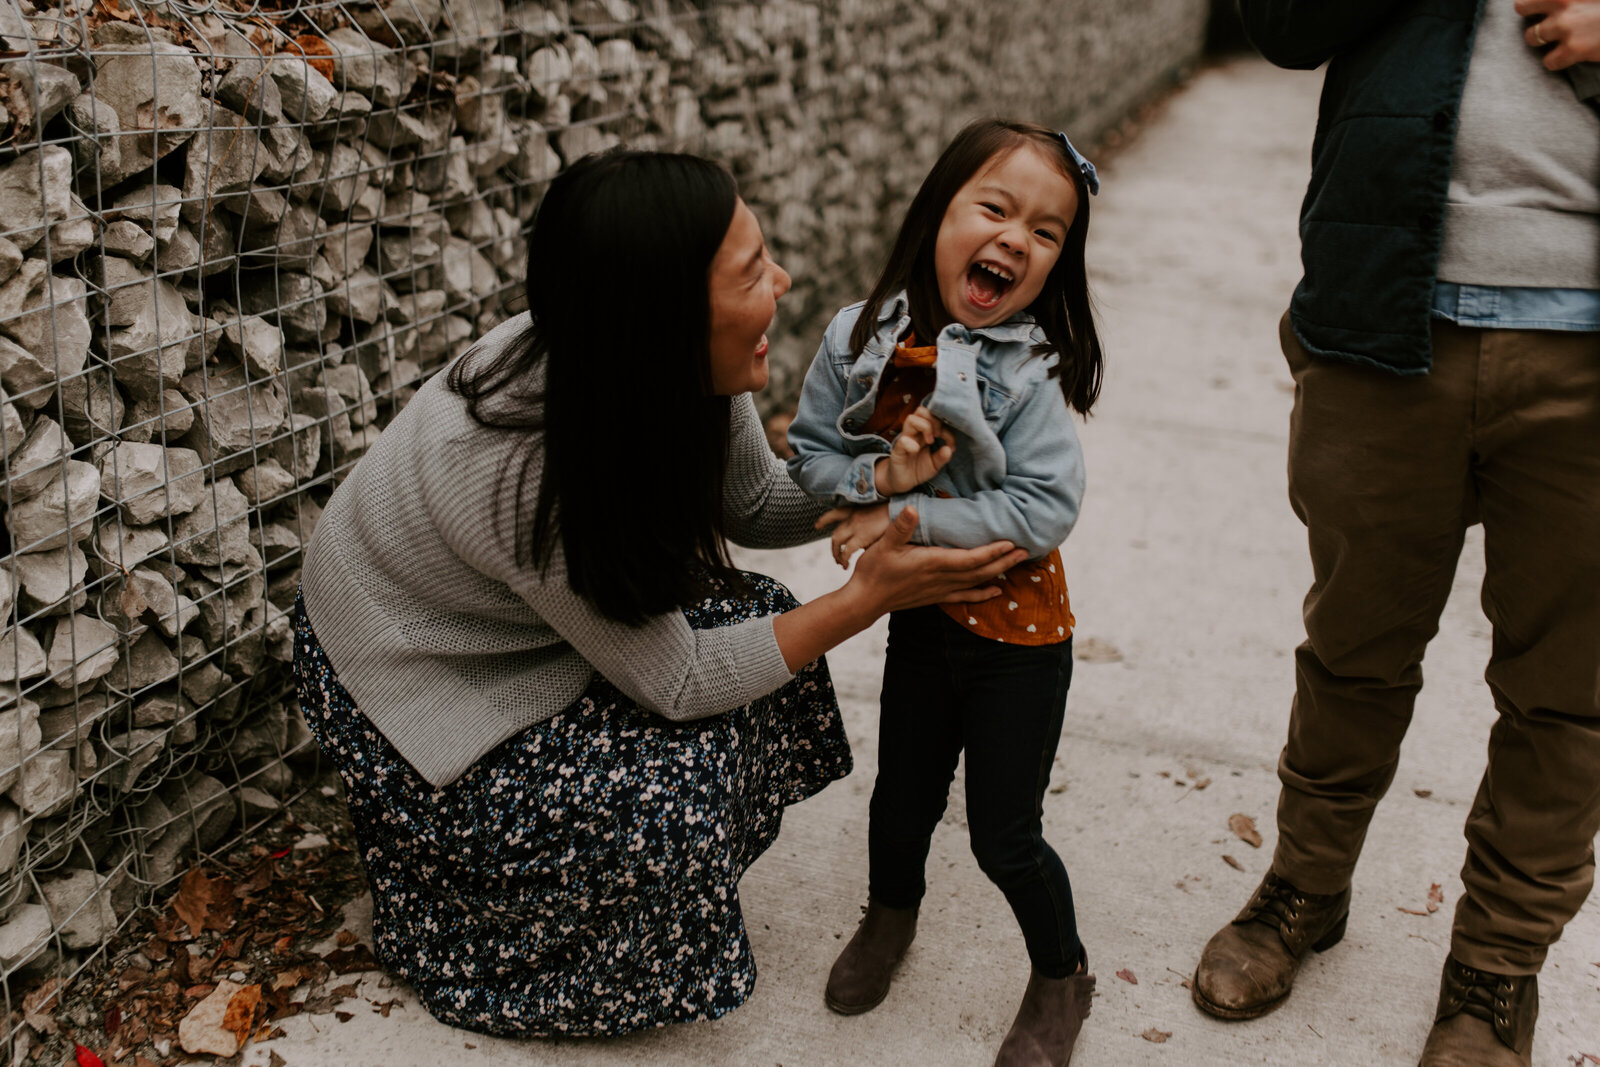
<point x="1090" y="178"/>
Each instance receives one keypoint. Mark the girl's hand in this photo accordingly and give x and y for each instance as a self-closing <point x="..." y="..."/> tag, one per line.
<point x="858" y="528"/>
<point x="915" y="458"/>
<point x="1573" y="26"/>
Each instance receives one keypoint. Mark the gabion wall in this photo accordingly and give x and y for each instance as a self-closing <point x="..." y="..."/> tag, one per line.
<point x="234" y="239"/>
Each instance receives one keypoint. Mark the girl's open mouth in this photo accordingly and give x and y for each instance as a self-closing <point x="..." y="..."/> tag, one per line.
<point x="987" y="284"/>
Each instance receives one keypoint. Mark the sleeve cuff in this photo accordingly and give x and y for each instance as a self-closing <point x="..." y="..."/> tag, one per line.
<point x="898" y="503"/>
<point x="860" y="484"/>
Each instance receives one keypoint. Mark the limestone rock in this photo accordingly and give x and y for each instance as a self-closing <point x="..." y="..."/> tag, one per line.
<point x="38" y="462"/>
<point x="83" y="648"/>
<point x="154" y="208"/>
<point x="217" y="531"/>
<point x="20" y="735"/>
<point x="128" y="756"/>
<point x="45" y="315"/>
<point x="149" y="482"/>
<point x="397" y="22"/>
<point x="127" y="238"/>
<point x="151" y="351"/>
<point x="231" y="414"/>
<point x="35" y="193"/>
<point x="264" y="483"/>
<point x="294" y="301"/>
<point x="51" y="582"/>
<point x="369" y="68"/>
<point x="47" y="785"/>
<point x="11" y="835"/>
<point x="128" y="546"/>
<point x="61" y="514"/>
<point x="306" y="94"/>
<point x="298" y="449"/>
<point x="155" y="90"/>
<point x="21" y="656"/>
<point x="92" y="406"/>
<point x="257" y="343"/>
<point x="159" y="418"/>
<point x="80" y="905"/>
<point x="24" y="936"/>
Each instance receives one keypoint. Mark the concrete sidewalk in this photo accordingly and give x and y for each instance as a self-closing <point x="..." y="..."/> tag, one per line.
<point x="1187" y="572"/>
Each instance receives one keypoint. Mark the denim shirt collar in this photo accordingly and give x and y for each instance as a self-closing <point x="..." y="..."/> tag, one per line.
<point x="1019" y="327"/>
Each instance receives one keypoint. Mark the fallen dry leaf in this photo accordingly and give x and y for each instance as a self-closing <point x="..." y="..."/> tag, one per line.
<point x="204" y="903"/>
<point x="1423" y="793"/>
<point x="345" y="939"/>
<point x="86" y="1058"/>
<point x="38" y="1005"/>
<point x="203" y="1029"/>
<point x="1413" y="911"/>
<point x="1231" y="862"/>
<point x="1094" y="650"/>
<point x="1244" y="827"/>
<point x="1202" y="783"/>
<point x="1128" y="976"/>
<point x="1156" y="1037"/>
<point x="241" y="1013"/>
<point x="1435" y="897"/>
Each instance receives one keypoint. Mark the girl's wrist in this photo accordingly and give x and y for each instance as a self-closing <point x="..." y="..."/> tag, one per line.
<point x="881" y="479"/>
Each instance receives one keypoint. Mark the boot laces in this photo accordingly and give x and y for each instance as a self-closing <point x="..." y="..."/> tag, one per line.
<point x="1481" y="993"/>
<point x="1279" y="904"/>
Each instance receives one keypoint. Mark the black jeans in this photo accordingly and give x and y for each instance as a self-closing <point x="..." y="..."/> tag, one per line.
<point x="946" y="689"/>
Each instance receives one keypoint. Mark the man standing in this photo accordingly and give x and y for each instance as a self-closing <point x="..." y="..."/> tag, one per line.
<point x="1445" y="344"/>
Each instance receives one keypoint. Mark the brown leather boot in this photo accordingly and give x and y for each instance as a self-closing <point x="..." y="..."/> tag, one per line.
<point x="860" y="977"/>
<point x="1248" y="968"/>
<point x="1047" y="1024"/>
<point x="1484" y="1019"/>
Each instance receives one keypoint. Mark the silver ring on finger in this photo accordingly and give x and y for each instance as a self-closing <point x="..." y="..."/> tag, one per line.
<point x="1538" y="36"/>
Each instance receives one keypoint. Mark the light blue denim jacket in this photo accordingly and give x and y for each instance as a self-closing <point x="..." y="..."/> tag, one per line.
<point x="1017" y="472"/>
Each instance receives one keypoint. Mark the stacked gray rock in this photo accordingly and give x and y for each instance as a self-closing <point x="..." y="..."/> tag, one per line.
<point x="229" y="254"/>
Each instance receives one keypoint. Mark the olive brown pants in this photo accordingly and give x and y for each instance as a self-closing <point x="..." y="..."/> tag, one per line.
<point x="1387" y="473"/>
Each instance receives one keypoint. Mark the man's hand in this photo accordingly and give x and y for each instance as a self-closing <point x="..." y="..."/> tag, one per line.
<point x="858" y="528"/>
<point x="1572" y="26"/>
<point x="914" y="458"/>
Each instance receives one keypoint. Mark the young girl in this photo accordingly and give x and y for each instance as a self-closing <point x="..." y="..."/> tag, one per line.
<point x="951" y="390"/>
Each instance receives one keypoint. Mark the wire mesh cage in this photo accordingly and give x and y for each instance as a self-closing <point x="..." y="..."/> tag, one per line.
<point x="235" y="237"/>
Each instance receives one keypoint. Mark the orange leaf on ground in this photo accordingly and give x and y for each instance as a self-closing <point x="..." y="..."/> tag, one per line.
<point x="1413" y="911"/>
<point x="1244" y="827"/>
<point x="1435" y="897"/>
<point x="1128" y="976"/>
<point x="1156" y="1037"/>
<point x="1231" y="862"/>
<point x="241" y="1013"/>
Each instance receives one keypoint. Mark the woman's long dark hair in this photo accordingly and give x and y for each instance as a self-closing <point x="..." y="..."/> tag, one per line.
<point x="634" y="445"/>
<point x="1062" y="308"/>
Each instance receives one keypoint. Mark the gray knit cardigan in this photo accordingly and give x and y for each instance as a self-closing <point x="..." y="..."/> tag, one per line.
<point x="449" y="646"/>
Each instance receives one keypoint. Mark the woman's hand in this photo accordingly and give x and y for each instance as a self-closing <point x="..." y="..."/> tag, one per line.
<point x="891" y="575"/>
<point x="1573" y="26"/>
<point x="920" y="452"/>
<point x="896" y="574"/>
<point x="858" y="528"/>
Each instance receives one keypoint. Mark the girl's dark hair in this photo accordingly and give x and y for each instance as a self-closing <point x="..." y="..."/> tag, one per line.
<point x="614" y="373"/>
<point x="1062" y="308"/>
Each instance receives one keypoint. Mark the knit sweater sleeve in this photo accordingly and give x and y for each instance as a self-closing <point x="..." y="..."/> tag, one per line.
<point x="664" y="664"/>
<point x="762" y="506"/>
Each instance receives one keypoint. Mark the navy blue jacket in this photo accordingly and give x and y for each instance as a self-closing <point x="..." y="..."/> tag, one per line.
<point x="1373" y="217"/>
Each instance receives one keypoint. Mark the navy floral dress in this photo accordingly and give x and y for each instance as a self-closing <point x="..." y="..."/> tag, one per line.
<point x="582" y="878"/>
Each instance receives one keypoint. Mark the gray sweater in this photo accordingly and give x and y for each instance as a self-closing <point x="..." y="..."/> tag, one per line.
<point x="1524" y="202"/>
<point x="449" y="646"/>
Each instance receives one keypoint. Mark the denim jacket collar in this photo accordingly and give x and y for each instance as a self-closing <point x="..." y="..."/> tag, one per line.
<point x="1019" y="327"/>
